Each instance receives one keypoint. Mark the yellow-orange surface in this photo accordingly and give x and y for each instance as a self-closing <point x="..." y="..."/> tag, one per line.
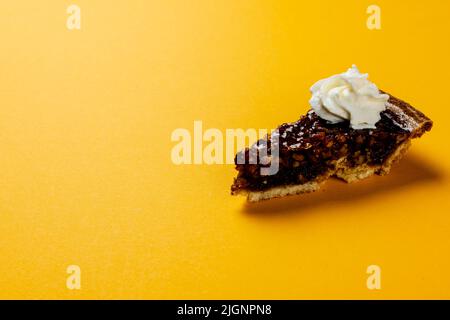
<point x="86" y="176"/>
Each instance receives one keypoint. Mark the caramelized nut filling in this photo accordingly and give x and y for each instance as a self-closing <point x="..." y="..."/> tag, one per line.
<point x="310" y="147"/>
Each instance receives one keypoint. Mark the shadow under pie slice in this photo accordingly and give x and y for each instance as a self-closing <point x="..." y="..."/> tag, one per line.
<point x="311" y="150"/>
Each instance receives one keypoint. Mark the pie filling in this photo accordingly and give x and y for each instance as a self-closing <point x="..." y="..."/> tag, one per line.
<point x="311" y="148"/>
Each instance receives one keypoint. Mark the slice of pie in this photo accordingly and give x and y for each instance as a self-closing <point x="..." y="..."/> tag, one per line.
<point x="312" y="149"/>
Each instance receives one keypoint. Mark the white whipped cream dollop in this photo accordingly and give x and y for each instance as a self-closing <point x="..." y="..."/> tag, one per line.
<point x="348" y="96"/>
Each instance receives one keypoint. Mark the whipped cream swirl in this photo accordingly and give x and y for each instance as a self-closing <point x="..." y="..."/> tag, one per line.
<point x="348" y="96"/>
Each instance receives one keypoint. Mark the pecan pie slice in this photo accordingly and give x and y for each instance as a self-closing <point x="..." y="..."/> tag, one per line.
<point x="313" y="149"/>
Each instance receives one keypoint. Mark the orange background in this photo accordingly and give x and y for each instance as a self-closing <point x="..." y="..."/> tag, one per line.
<point x="86" y="176"/>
